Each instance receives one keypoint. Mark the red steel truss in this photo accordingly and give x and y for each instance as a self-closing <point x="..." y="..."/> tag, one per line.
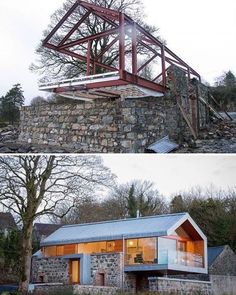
<point x="122" y="27"/>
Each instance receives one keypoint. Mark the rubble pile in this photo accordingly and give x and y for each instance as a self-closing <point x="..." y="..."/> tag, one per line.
<point x="219" y="137"/>
<point x="9" y="133"/>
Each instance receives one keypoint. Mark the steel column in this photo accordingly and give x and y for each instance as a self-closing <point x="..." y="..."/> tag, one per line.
<point x="122" y="44"/>
<point x="88" y="58"/>
<point x="134" y="50"/>
<point x="163" y="65"/>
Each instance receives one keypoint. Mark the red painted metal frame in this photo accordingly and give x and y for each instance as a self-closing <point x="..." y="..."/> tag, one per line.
<point x="120" y="24"/>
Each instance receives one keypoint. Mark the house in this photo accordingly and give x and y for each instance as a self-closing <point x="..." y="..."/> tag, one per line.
<point x="222" y="261"/>
<point x="127" y="254"/>
<point x="43" y="230"/>
<point x="222" y="269"/>
<point x="7" y="222"/>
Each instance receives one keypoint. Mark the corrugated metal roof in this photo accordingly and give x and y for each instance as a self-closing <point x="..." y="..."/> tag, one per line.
<point x="213" y="253"/>
<point x="113" y="230"/>
<point x="163" y="146"/>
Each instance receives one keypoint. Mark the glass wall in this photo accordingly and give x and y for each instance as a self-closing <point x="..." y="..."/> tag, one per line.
<point x="141" y="251"/>
<point x="165" y="250"/>
<point x="180" y="252"/>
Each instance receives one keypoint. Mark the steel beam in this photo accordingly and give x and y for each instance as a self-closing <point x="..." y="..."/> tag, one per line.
<point x="65" y="17"/>
<point x="147" y="62"/>
<point x="106" y="11"/>
<point x="89" y="38"/>
<point x="107" y="48"/>
<point x="86" y="15"/>
<point x="79" y="56"/>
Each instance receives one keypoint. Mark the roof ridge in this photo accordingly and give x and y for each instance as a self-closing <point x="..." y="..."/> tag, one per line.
<point x="124" y="219"/>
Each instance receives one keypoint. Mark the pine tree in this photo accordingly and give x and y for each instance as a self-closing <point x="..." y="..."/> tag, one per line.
<point x="11" y="103"/>
<point x="132" y="205"/>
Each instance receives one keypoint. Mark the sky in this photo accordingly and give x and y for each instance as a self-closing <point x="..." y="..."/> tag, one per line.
<point x="202" y="33"/>
<point x="175" y="173"/>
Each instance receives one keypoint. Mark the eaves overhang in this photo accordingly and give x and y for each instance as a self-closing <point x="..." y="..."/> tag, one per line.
<point x="104" y="238"/>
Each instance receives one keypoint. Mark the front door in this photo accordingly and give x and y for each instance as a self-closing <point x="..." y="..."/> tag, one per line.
<point x="75" y="271"/>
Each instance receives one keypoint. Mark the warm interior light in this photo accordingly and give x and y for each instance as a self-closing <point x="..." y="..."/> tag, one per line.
<point x="131" y="243"/>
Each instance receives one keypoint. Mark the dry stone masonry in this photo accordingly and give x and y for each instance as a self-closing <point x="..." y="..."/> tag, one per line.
<point x="112" y="126"/>
<point x="118" y="125"/>
<point x="179" y="286"/>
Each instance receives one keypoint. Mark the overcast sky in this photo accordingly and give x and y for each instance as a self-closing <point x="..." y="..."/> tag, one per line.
<point x="202" y="32"/>
<point x="174" y="173"/>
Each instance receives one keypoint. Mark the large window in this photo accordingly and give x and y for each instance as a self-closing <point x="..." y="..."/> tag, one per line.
<point x="101" y="247"/>
<point x="84" y="248"/>
<point x="141" y="251"/>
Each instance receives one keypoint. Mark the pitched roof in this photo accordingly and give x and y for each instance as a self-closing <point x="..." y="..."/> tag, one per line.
<point x="213" y="253"/>
<point x="159" y="225"/>
<point x="6" y="221"/>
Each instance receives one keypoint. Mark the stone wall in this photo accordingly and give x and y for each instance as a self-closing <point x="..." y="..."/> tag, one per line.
<point x="130" y="282"/>
<point x="222" y="285"/>
<point x="112" y="126"/>
<point x="179" y="286"/>
<point x="47" y="289"/>
<point x="108" y="265"/>
<point x="225" y="263"/>
<point x="50" y="270"/>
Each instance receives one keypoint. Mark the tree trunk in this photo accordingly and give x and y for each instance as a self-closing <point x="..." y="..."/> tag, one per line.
<point x="26" y="253"/>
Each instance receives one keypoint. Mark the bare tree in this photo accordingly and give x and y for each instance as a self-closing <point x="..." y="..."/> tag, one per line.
<point x="144" y="197"/>
<point x="32" y="186"/>
<point x="54" y="65"/>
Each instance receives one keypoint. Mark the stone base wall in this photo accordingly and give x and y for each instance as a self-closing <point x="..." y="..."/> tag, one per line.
<point x="90" y="290"/>
<point x="44" y="289"/>
<point x="130" y="283"/>
<point x="112" y="126"/>
<point x="222" y="285"/>
<point x="178" y="286"/>
<point x="50" y="270"/>
<point x="109" y="266"/>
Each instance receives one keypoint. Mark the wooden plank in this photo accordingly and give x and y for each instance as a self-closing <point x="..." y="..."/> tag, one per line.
<point x="187" y="120"/>
<point x="213" y="110"/>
